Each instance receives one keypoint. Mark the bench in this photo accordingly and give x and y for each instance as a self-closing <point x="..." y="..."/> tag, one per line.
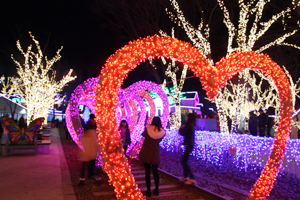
<point x="20" y="148"/>
<point x="42" y="146"/>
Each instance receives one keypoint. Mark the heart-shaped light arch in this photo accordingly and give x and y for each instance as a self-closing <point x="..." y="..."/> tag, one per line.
<point x="85" y="93"/>
<point x="239" y="61"/>
<point x="151" y="86"/>
<point x="127" y="58"/>
<point x="146" y="95"/>
<point x="82" y="92"/>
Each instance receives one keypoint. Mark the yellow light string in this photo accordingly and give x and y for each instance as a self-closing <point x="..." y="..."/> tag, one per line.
<point x="35" y="83"/>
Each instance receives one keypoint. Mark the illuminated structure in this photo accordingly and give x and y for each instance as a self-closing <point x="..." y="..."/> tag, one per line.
<point x="130" y="94"/>
<point x="240" y="38"/>
<point x="36" y="81"/>
<point x="170" y="72"/>
<point x="150" y="86"/>
<point x="146" y="95"/>
<point x="213" y="79"/>
<point x="85" y="93"/>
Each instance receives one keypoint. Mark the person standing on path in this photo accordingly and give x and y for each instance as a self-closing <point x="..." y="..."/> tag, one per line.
<point x="150" y="153"/>
<point x="91" y="147"/>
<point x="188" y="132"/>
<point x="125" y="135"/>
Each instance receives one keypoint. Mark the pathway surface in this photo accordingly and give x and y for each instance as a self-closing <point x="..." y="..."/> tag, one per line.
<point x="40" y="177"/>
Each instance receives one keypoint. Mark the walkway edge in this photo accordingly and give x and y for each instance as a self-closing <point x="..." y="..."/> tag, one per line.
<point x="67" y="187"/>
<point x="207" y="193"/>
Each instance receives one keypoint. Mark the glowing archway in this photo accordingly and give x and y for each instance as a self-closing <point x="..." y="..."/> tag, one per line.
<point x="146" y="95"/>
<point x="148" y="85"/>
<point x="213" y="79"/>
<point x="85" y="92"/>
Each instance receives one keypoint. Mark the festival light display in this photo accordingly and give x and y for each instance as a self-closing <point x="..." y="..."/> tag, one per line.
<point x="252" y="152"/>
<point x="146" y="95"/>
<point x="37" y="81"/>
<point x="86" y="93"/>
<point x="252" y="60"/>
<point x="139" y="125"/>
<point x="213" y="79"/>
<point x="150" y="86"/>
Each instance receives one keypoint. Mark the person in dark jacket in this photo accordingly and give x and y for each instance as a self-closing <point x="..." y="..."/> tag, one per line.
<point x="188" y="132"/>
<point x="262" y="122"/>
<point x="150" y="153"/>
<point x="253" y="124"/>
<point x="22" y="123"/>
<point x="91" y="124"/>
<point x="270" y="121"/>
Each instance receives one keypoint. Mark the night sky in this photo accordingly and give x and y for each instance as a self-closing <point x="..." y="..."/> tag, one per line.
<point x="86" y="38"/>
<point x="71" y="24"/>
<point x="89" y="39"/>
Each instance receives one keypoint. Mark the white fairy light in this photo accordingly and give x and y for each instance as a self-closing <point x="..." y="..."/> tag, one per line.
<point x="172" y="68"/>
<point x="245" y="35"/>
<point x="36" y="81"/>
<point x="199" y="36"/>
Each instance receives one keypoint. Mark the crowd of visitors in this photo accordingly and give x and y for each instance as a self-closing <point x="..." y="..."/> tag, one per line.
<point x="262" y="125"/>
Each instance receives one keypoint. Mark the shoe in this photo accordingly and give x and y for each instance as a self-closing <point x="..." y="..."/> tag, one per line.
<point x="97" y="178"/>
<point x="190" y="182"/>
<point x="183" y="179"/>
<point x="81" y="179"/>
<point x="148" y="193"/>
<point x="156" y="192"/>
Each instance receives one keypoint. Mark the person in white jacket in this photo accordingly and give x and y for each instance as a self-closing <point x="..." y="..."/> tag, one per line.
<point x="89" y="153"/>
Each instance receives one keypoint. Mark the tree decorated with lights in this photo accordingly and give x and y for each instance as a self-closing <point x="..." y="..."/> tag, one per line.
<point x="170" y="72"/>
<point x="37" y="81"/>
<point x="241" y="37"/>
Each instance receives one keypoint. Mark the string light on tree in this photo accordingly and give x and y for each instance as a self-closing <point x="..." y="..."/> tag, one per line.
<point x="37" y="81"/>
<point x="242" y="37"/>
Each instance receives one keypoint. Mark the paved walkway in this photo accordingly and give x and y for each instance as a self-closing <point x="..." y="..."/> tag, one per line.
<point x="40" y="177"/>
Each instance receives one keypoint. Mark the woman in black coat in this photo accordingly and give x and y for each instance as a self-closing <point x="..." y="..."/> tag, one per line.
<point x="150" y="153"/>
<point x="188" y="132"/>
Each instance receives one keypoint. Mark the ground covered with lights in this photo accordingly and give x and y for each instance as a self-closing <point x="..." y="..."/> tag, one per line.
<point x="209" y="175"/>
<point x="216" y="178"/>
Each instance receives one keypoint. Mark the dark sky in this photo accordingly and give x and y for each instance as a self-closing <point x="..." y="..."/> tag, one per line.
<point x="68" y="23"/>
<point x="88" y="39"/>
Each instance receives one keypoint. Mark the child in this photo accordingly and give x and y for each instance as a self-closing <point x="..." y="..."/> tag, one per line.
<point x="125" y="135"/>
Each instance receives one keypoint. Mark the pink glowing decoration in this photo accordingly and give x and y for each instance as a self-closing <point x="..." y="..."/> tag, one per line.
<point x="84" y="92"/>
<point x="139" y="125"/>
<point x="148" y="85"/>
<point x="146" y="95"/>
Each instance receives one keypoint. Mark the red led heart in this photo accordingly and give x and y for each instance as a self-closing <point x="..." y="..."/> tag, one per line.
<point x="213" y="79"/>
